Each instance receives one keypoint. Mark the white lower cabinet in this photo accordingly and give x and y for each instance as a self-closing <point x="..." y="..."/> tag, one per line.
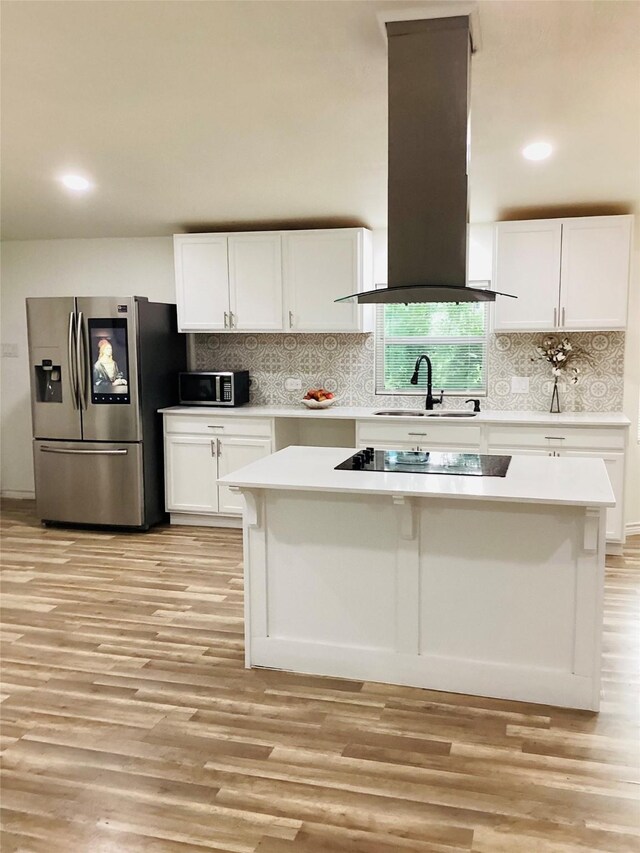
<point x="235" y="453"/>
<point x="201" y="448"/>
<point x="614" y="463"/>
<point x="384" y="435"/>
<point x="598" y="443"/>
<point x="198" y="450"/>
<point x="191" y="472"/>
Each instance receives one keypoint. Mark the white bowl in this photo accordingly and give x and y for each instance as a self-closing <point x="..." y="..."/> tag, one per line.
<point x="319" y="404"/>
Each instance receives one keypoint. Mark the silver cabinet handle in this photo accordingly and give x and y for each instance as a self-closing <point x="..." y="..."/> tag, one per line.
<point x="555" y="317"/>
<point x="213" y="446"/>
<point x="121" y="451"/>
<point x="226" y="320"/>
<point x="73" y="373"/>
<point x="563" y="316"/>
<point x="291" y="319"/>
<point x="555" y="437"/>
<point x="214" y="426"/>
<point x="418" y="433"/>
<point x="219" y="447"/>
<point x="232" y="321"/>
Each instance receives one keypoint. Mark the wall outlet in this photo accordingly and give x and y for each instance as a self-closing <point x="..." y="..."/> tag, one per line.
<point x="291" y="383"/>
<point x="519" y="384"/>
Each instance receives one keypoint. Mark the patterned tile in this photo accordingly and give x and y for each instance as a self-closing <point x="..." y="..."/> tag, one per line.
<point x="345" y="364"/>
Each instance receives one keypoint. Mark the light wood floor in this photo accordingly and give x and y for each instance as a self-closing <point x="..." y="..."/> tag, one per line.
<point x="130" y="724"/>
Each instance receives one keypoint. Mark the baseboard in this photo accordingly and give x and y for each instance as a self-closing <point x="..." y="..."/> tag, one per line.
<point x="17" y="495"/>
<point x="201" y="520"/>
<point x="632" y="529"/>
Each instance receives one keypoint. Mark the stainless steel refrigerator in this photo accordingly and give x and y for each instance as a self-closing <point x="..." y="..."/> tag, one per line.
<point x="100" y="369"/>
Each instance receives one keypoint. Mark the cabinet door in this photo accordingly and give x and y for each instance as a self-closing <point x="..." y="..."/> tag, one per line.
<point x="527" y="265"/>
<point x="614" y="463"/>
<point x="319" y="267"/>
<point x="595" y="272"/>
<point x="255" y="281"/>
<point x="480" y="252"/>
<point x="235" y="453"/>
<point x="191" y="470"/>
<point x="202" y="281"/>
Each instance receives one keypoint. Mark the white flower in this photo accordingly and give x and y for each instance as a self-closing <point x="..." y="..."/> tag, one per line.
<point x="560" y="356"/>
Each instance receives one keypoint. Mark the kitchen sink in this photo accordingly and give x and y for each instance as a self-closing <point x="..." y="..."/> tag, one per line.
<point x="412" y="413"/>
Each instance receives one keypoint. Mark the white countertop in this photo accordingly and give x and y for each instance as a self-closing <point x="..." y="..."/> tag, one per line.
<point x="603" y="419"/>
<point x="530" y="479"/>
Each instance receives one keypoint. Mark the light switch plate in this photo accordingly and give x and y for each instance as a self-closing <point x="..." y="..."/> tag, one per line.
<point x="291" y="383"/>
<point x="519" y="384"/>
<point x="10" y="351"/>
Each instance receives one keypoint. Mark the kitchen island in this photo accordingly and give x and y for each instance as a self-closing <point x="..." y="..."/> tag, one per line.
<point x="484" y="585"/>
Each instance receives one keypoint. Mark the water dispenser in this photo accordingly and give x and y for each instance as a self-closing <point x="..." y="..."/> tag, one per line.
<point x="48" y="382"/>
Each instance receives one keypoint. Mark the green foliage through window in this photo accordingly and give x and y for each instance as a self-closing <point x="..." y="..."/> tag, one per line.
<point x="453" y="336"/>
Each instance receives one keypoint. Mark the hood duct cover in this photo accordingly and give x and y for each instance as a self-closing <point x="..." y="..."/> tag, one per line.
<point x="429" y="74"/>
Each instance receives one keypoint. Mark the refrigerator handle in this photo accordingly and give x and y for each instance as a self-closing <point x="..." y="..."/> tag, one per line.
<point x="82" y="357"/>
<point x="73" y="373"/>
<point x="121" y="451"/>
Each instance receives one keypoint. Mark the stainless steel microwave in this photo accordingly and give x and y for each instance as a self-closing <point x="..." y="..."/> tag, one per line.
<point x="216" y="388"/>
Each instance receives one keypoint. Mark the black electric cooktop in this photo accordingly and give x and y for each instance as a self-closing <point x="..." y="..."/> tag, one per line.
<point x="426" y="462"/>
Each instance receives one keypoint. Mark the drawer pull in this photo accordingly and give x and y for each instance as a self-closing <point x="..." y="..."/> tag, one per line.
<point x="555" y="437"/>
<point x="214" y="426"/>
<point x="417" y="433"/>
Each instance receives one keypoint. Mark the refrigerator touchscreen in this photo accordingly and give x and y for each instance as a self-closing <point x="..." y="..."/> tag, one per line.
<point x="109" y="360"/>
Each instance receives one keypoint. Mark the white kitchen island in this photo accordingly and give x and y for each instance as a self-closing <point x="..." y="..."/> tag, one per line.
<point x="483" y="585"/>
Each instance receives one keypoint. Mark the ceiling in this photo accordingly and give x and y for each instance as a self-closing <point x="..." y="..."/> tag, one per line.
<point x="197" y="115"/>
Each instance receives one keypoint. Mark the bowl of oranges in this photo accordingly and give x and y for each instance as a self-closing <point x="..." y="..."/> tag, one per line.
<point x="318" y="398"/>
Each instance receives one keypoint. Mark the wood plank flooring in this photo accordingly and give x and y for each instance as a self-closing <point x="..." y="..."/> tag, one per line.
<point x="130" y="724"/>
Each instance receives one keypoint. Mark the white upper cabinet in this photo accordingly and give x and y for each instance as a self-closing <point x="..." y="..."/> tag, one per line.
<point x="255" y="281"/>
<point x="527" y="265"/>
<point x="568" y="274"/>
<point x="266" y="281"/>
<point x="202" y="281"/>
<point x="595" y="272"/>
<point x="320" y="267"/>
<point x="480" y="252"/>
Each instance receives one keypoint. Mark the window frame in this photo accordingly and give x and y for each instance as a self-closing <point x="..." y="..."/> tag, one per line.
<point x="379" y="344"/>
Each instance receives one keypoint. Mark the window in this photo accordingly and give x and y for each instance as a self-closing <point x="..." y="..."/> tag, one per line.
<point x="454" y="336"/>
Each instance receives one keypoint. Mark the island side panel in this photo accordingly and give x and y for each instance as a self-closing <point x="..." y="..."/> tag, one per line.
<point x="474" y="597"/>
<point x="508" y="605"/>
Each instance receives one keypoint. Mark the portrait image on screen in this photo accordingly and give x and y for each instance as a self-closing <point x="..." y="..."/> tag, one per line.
<point x="109" y="359"/>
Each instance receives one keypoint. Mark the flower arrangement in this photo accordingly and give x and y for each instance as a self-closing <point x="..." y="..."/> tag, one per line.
<point x="561" y="355"/>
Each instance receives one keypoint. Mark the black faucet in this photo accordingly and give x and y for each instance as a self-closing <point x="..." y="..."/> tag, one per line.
<point x="429" y="402"/>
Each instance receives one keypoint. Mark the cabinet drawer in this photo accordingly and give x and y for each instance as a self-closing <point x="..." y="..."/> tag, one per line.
<point x="557" y="437"/>
<point x="421" y="433"/>
<point x="217" y="426"/>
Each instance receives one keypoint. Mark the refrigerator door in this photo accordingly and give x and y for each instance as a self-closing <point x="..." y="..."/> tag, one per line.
<point x="89" y="482"/>
<point x="107" y="350"/>
<point x="55" y="405"/>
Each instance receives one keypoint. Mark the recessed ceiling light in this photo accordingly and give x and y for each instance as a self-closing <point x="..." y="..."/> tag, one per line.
<point x="537" y="151"/>
<point x="76" y="183"/>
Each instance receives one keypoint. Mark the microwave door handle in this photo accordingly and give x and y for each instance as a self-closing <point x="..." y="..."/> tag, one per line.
<point x="73" y="372"/>
<point x="218" y="395"/>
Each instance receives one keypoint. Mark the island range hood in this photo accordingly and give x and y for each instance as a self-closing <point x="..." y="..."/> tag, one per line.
<point x="429" y="68"/>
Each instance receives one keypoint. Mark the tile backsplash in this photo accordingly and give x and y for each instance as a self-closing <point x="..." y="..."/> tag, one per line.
<point x="344" y="364"/>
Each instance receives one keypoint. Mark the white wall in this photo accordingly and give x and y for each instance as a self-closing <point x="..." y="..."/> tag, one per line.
<point x="118" y="267"/>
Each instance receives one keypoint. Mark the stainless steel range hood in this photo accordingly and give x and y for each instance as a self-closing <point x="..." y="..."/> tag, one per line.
<point x="429" y="66"/>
